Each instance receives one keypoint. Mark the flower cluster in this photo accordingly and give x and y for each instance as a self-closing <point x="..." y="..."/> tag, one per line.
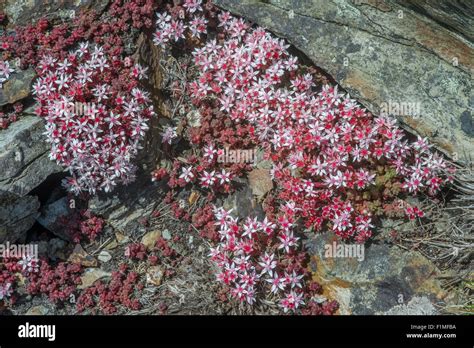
<point x="255" y="258"/>
<point x="333" y="162"/>
<point x="174" y="29"/>
<point x="110" y="29"/>
<point x="169" y="135"/>
<point x="95" y="116"/>
<point x="31" y="42"/>
<point x="324" y="147"/>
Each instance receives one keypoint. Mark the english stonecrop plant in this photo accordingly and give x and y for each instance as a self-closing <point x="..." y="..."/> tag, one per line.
<point x="96" y="143"/>
<point x="325" y="151"/>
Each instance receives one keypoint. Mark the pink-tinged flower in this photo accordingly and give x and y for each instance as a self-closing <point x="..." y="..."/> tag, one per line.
<point x="288" y="240"/>
<point x="113" y="120"/>
<point x="168" y="135"/>
<point x="421" y="145"/>
<point x="224" y="177"/>
<point x="63" y="81"/>
<point x="292" y="301"/>
<point x="223" y="278"/>
<point x="83" y="49"/>
<point x="363" y="223"/>
<point x="160" y="38"/>
<point x="246" y="246"/>
<point x="268" y="264"/>
<point x="251" y="226"/>
<point x="197" y="26"/>
<point x="29" y="264"/>
<point x="64" y="65"/>
<point x="318" y="167"/>
<point x="208" y="179"/>
<point x="239" y="292"/>
<point x="162" y="19"/>
<point x="224" y="18"/>
<point x="294" y="280"/>
<point x="267" y="226"/>
<point x="277" y="283"/>
<point x="413" y="183"/>
<point x="285" y="222"/>
<point x="177" y="29"/>
<point x="101" y="92"/>
<point x="364" y="178"/>
<point x="6" y="290"/>
<point x="251" y="296"/>
<point x="341" y="221"/>
<point x="192" y="5"/>
<point x="187" y="174"/>
<point x="209" y="152"/>
<point x="5" y="72"/>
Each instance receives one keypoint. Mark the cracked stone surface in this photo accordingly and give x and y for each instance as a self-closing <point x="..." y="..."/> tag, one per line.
<point x="17" y="86"/>
<point x="24" y="156"/>
<point x="385" y="52"/>
<point x="384" y="278"/>
<point x="17" y="215"/>
<point x="24" y="12"/>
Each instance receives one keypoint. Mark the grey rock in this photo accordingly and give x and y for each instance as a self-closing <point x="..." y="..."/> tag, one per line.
<point x="38" y="310"/>
<point x="17" y="216"/>
<point x="385" y="278"/>
<point x="166" y="234"/>
<point x="24" y="156"/>
<point x="104" y="256"/>
<point x="90" y="276"/>
<point x="17" y="87"/>
<point x="418" y="305"/>
<point x="53" y="216"/>
<point x="455" y="15"/>
<point x="243" y="203"/>
<point x="55" y="247"/>
<point x="23" y="12"/>
<point x="382" y="52"/>
<point x="127" y="205"/>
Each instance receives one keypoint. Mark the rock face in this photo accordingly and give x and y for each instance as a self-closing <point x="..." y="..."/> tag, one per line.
<point x="389" y="55"/>
<point x="17" y="216"/>
<point x="25" y="12"/>
<point x="24" y="156"/>
<point x="243" y="204"/>
<point x="53" y="216"/>
<point x="384" y="279"/>
<point x="126" y="206"/>
<point x="456" y="15"/>
<point x="416" y="306"/>
<point x="17" y="87"/>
